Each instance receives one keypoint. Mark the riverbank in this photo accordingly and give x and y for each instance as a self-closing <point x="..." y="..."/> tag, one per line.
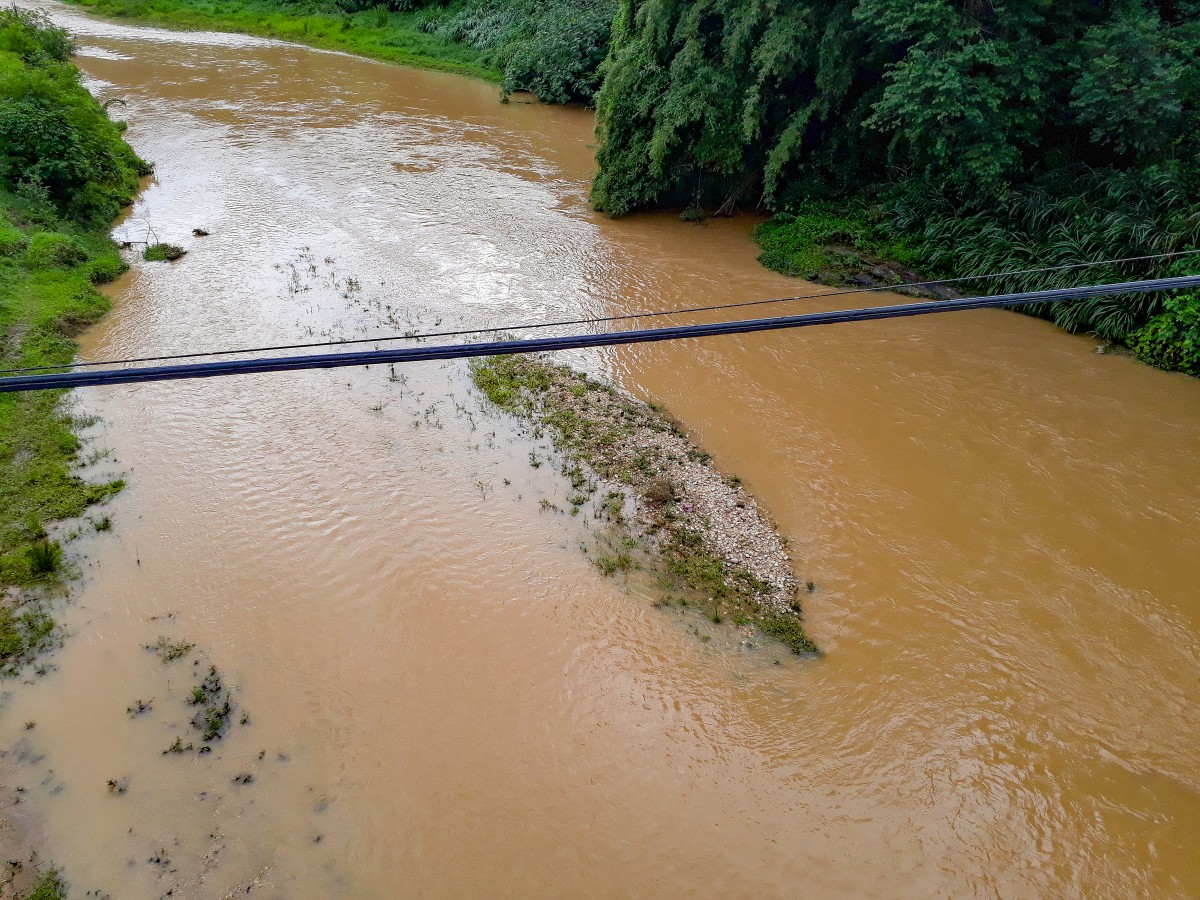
<point x="846" y="246"/>
<point x="377" y="33"/>
<point x="671" y="514"/>
<point x="67" y="173"/>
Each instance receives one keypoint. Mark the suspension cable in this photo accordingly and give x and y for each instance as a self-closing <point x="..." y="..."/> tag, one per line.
<point x="597" y="320"/>
<point x="604" y="339"/>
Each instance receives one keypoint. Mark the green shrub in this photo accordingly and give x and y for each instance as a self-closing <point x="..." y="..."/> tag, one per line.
<point x="1171" y="340"/>
<point x="559" y="56"/>
<point x="162" y="252"/>
<point x="106" y="267"/>
<point x="12" y="240"/>
<point x="50" y="249"/>
<point x="55" y="139"/>
<point x="820" y="237"/>
<point x="552" y="48"/>
<point x="30" y="36"/>
<point x="44" y="556"/>
<point x="49" y="886"/>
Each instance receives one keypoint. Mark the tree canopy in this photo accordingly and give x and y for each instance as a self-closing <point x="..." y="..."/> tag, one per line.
<point x="791" y="100"/>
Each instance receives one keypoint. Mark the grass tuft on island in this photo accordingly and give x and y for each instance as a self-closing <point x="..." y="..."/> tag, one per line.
<point x="671" y="513"/>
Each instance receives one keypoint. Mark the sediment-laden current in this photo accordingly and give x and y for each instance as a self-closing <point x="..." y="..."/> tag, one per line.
<point x="434" y="693"/>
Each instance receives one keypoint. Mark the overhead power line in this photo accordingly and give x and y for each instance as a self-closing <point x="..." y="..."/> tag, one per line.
<point x="535" y="345"/>
<point x="595" y="320"/>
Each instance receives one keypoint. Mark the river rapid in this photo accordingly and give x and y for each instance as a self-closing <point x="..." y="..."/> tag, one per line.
<point x="442" y="696"/>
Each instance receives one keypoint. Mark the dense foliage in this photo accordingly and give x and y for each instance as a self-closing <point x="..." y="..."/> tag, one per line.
<point x="55" y="140"/>
<point x="552" y="48"/>
<point x="1171" y="340"/>
<point x="805" y="99"/>
<point x="63" y="169"/>
<point x="982" y="137"/>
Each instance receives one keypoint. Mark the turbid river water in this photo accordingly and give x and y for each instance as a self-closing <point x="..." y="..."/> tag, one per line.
<point x="443" y="696"/>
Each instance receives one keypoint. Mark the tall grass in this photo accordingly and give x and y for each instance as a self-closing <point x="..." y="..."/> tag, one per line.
<point x="1088" y="216"/>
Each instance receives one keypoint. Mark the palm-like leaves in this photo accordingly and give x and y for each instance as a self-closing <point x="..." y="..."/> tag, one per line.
<point x="1064" y="220"/>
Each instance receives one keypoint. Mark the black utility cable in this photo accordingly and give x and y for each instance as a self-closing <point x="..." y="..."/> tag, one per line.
<point x="535" y="345"/>
<point x="600" y="320"/>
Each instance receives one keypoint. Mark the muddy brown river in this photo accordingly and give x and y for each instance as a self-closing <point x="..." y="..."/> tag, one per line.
<point x="442" y="696"/>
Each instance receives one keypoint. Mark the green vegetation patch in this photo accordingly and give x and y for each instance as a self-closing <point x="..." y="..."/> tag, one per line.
<point x="26" y="630"/>
<point x="64" y="173"/>
<point x="604" y="434"/>
<point x="214" y="706"/>
<point x="44" y="299"/>
<point x="168" y="650"/>
<point x="823" y="243"/>
<point x="1171" y="340"/>
<point x="163" y="253"/>
<point x="49" y="886"/>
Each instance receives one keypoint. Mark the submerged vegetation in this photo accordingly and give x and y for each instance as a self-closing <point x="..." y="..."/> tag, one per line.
<point x="49" y="886"/>
<point x="163" y="253"/>
<point x="64" y="174"/>
<point x="700" y="538"/>
<point x="214" y="707"/>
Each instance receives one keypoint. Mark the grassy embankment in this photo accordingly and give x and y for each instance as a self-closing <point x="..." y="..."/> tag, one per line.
<point x="644" y="455"/>
<point x="377" y="33"/>
<point x="64" y="174"/>
<point x="837" y="246"/>
<point x="551" y="48"/>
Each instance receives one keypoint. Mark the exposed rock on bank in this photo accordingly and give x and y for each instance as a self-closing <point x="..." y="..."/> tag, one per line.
<point x="672" y="512"/>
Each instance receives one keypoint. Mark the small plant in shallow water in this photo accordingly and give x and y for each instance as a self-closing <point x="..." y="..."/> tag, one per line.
<point x="163" y="252"/>
<point x="50" y="886"/>
<point x="168" y="650"/>
<point x="24" y="633"/>
<point x="45" y="557"/>
<point x="178" y="747"/>
<point x="610" y="565"/>
<point x="216" y="708"/>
